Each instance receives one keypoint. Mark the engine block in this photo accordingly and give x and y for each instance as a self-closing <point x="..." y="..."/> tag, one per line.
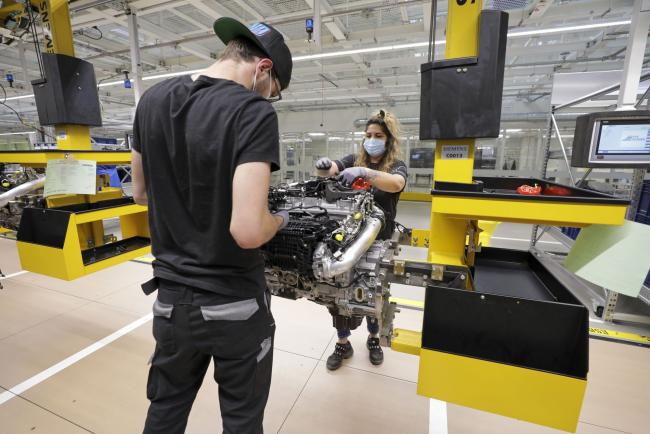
<point x="329" y="254"/>
<point x="17" y="191"/>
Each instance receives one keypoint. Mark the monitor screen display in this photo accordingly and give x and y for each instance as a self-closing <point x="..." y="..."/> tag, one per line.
<point x="624" y="137"/>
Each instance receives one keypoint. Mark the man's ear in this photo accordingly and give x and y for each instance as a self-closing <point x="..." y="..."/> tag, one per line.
<point x="265" y="65"/>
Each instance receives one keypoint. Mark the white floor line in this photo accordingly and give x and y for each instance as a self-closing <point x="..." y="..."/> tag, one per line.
<point x="437" y="417"/>
<point x="9" y="276"/>
<point x="52" y="370"/>
<point x="522" y="239"/>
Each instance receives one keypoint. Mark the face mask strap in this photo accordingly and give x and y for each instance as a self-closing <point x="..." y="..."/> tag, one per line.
<point x="254" y="79"/>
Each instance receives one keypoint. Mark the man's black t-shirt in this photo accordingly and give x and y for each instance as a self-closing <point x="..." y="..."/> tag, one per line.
<point x="387" y="201"/>
<point x="192" y="135"/>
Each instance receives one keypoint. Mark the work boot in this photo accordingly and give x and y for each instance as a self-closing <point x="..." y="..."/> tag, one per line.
<point x="341" y="351"/>
<point x="376" y="353"/>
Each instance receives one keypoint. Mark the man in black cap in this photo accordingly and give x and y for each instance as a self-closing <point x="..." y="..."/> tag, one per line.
<point x="204" y="148"/>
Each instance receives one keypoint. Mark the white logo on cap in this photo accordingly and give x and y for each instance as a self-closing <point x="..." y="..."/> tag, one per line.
<point x="259" y="29"/>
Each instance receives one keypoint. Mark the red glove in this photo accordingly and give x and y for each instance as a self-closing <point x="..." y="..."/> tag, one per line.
<point x="527" y="190"/>
<point x="556" y="190"/>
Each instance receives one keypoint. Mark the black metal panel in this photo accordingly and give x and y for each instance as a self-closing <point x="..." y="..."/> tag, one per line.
<point x="551" y="336"/>
<point x="81" y="208"/>
<point x="461" y="98"/>
<point x="543" y="285"/>
<point x="111" y="250"/>
<point x="68" y="94"/>
<point x="496" y="187"/>
<point x="43" y="226"/>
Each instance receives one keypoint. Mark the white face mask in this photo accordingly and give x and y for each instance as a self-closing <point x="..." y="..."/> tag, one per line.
<point x="374" y="147"/>
<point x="255" y="83"/>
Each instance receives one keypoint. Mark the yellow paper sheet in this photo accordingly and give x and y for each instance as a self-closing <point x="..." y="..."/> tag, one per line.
<point x="67" y="176"/>
<point x="614" y="257"/>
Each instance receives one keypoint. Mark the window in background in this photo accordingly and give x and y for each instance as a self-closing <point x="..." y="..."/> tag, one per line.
<point x="421" y="158"/>
<point x="485" y="157"/>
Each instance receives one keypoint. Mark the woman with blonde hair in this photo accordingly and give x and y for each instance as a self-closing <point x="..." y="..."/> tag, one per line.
<point x="377" y="161"/>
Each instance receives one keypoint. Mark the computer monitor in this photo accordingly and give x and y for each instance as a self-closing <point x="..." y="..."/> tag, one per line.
<point x="612" y="139"/>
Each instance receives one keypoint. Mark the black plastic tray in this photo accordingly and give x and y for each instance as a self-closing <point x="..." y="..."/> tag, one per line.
<point x="80" y="208"/>
<point x="516" y="273"/>
<point x="110" y="250"/>
<point x="48" y="226"/>
<point x="506" y="188"/>
<point x="520" y="315"/>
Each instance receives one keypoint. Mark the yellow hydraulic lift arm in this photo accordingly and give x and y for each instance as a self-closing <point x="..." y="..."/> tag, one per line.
<point x="57" y="27"/>
<point x="67" y="239"/>
<point x="476" y="373"/>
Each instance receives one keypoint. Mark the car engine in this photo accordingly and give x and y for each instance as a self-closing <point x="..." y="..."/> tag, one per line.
<point x="328" y="253"/>
<point x="18" y="190"/>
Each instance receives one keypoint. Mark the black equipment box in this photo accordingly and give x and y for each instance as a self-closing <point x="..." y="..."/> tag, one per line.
<point x="520" y="315"/>
<point x="461" y="98"/>
<point x="68" y="93"/>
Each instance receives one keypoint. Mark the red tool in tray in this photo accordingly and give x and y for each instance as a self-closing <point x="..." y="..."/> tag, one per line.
<point x="528" y="190"/>
<point x="549" y="190"/>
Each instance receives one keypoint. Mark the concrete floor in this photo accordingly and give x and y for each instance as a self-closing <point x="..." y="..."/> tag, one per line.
<point x="44" y="321"/>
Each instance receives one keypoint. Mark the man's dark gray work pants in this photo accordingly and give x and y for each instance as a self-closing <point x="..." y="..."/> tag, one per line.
<point x="192" y="327"/>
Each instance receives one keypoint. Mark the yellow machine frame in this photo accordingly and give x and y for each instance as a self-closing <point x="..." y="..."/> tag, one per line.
<point x="85" y="229"/>
<point x="67" y="263"/>
<point x="536" y="396"/>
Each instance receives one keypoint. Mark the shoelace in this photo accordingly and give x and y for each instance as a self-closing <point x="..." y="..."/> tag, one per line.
<point x="339" y="349"/>
<point x="373" y="344"/>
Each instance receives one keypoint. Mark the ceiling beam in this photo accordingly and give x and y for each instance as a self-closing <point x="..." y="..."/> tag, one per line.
<point x="207" y="10"/>
<point x="160" y="33"/>
<point x="189" y="19"/>
<point x="245" y="6"/>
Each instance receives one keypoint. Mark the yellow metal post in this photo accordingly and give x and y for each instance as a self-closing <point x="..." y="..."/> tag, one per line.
<point x="55" y="16"/>
<point x="73" y="137"/>
<point x="447" y="238"/>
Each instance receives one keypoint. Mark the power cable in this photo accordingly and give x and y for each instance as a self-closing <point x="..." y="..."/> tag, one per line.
<point x="432" y="29"/>
<point x="22" y="121"/>
<point x="37" y="46"/>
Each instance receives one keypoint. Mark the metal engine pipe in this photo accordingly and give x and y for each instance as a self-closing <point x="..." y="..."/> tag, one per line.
<point x="333" y="267"/>
<point x="24" y="188"/>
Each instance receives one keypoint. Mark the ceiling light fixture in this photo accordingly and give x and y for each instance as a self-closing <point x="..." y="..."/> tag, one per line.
<point x="11" y="98"/>
<point x="172" y="74"/>
<point x="512" y="34"/>
<point x="19" y="133"/>
<point x="520" y="34"/>
<point x="568" y="29"/>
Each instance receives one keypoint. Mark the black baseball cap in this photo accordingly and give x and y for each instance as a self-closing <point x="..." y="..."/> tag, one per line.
<point x="266" y="38"/>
